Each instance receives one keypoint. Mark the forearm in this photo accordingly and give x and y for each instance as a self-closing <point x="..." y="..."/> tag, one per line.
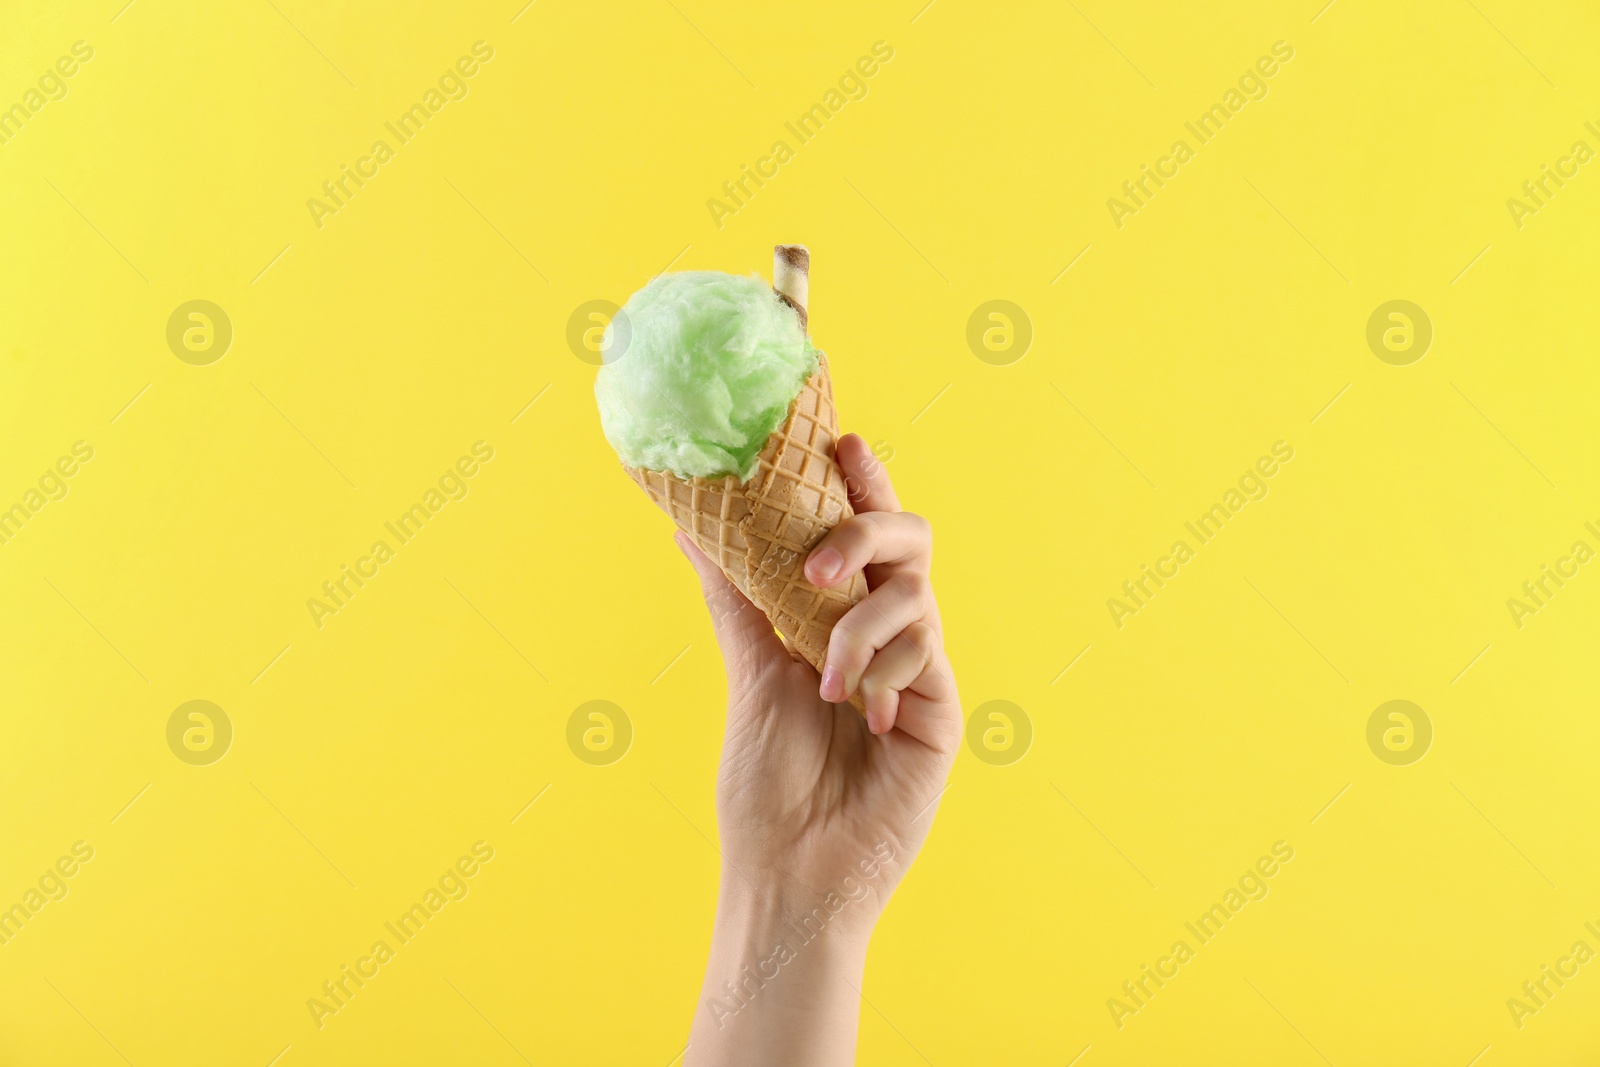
<point x="782" y="984"/>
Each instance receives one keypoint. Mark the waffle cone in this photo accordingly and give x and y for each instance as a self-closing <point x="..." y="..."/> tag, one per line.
<point x="760" y="532"/>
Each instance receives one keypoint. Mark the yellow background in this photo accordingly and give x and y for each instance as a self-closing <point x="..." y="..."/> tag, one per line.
<point x="370" y="353"/>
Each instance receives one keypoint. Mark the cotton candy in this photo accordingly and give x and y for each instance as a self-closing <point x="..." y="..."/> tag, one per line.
<point x="701" y="368"/>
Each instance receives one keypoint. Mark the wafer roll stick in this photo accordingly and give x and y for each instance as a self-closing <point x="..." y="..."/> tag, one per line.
<point x="791" y="277"/>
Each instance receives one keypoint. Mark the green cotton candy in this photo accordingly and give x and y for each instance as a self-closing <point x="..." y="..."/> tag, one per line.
<point x="701" y="368"/>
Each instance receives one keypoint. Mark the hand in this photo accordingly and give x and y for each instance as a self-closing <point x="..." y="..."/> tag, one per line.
<point x="820" y="811"/>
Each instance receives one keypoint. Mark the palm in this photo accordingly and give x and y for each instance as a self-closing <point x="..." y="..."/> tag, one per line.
<point x="806" y="787"/>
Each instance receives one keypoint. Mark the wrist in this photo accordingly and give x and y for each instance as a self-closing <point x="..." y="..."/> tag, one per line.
<point x="758" y="920"/>
<point x="785" y="972"/>
<point x="842" y="899"/>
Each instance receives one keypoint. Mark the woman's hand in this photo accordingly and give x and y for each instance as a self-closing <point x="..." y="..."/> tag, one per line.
<point x="820" y="810"/>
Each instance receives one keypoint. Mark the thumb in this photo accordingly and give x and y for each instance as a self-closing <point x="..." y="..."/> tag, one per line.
<point x="743" y="630"/>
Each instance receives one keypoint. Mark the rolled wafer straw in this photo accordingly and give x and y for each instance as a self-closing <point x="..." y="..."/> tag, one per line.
<point x="791" y="271"/>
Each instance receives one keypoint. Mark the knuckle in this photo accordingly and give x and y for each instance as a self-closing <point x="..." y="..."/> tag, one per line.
<point x="848" y="629"/>
<point x="845" y="646"/>
<point x="916" y="586"/>
<point x="869" y="527"/>
<point x="922" y="533"/>
<point x="922" y="638"/>
<point x="921" y="653"/>
<point x="849" y="535"/>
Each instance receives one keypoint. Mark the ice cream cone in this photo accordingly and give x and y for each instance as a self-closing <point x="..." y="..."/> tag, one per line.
<point x="760" y="532"/>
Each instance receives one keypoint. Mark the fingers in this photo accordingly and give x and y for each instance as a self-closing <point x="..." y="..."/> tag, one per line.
<point x="865" y="479"/>
<point x="898" y="665"/>
<point x="888" y="645"/>
<point x="869" y="626"/>
<point x="743" y="630"/>
<point x="875" y="537"/>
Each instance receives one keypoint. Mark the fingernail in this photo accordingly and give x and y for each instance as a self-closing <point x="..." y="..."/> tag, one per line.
<point x="825" y="564"/>
<point x="682" y="541"/>
<point x="832" y="688"/>
<point x="875" y="722"/>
